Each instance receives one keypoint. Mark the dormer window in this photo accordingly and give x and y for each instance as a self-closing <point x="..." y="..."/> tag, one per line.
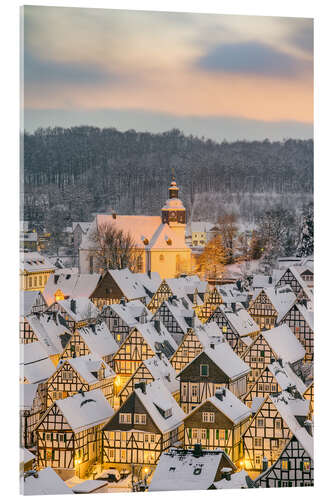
<point x="168" y="413"/>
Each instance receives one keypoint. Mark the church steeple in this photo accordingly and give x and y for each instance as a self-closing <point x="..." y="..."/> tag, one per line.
<point x="174" y="212"/>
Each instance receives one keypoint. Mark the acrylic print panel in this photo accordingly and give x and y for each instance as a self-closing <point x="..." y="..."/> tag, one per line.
<point x="166" y="322"/>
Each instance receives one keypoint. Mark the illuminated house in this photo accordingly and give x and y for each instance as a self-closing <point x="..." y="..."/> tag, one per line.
<point x="272" y="427"/>
<point x="159" y="240"/>
<point x="189" y="287"/>
<point x="216" y="367"/>
<point x="147" y="424"/>
<point x="176" y="315"/>
<point x="123" y="317"/>
<point x="218" y="422"/>
<point x="269" y="305"/>
<point x="300" y="279"/>
<point x="62" y="285"/>
<point x="31" y="408"/>
<point x="84" y="373"/>
<point x="35" y="270"/>
<point x="271" y="345"/>
<point x="69" y="433"/>
<point x="300" y="320"/>
<point x="77" y="312"/>
<point x="237" y="326"/>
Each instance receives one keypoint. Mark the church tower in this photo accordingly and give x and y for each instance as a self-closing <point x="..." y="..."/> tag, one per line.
<point x="174" y="212"/>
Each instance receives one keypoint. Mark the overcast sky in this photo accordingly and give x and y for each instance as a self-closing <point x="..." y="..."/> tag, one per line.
<point x="222" y="77"/>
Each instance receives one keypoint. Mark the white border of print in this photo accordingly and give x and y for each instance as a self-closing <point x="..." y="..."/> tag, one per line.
<point x="321" y="11"/>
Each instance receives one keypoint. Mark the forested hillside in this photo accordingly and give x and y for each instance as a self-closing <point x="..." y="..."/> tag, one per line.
<point x="81" y="170"/>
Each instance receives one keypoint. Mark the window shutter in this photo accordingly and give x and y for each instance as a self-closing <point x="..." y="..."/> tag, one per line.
<point x="65" y="437"/>
<point x="207" y="433"/>
<point x="279" y="484"/>
<point x="190" y="433"/>
<point x="301" y="465"/>
<point x="43" y="435"/>
<point x="217" y="434"/>
<point x="288" y="464"/>
<point x="226" y="434"/>
<point x="52" y="454"/>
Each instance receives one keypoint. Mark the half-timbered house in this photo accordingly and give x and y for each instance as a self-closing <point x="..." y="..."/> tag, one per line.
<point x="269" y="430"/>
<point x="294" y="467"/>
<point x="83" y="373"/>
<point x="196" y="469"/>
<point x="121" y="318"/>
<point x="144" y="341"/>
<point x="190" y="287"/>
<point x="212" y="300"/>
<point x="268" y="306"/>
<point x="77" y="312"/>
<point x="294" y="277"/>
<point x="31" y="408"/>
<point x="94" y="338"/>
<point x="300" y="320"/>
<point x="147" y="424"/>
<point x="156" y="368"/>
<point x="218" y="422"/>
<point x="176" y="315"/>
<point x="274" y="378"/>
<point x="69" y="285"/>
<point x="216" y="367"/>
<point x="31" y="302"/>
<point x="236" y="324"/>
<point x="193" y="342"/>
<point x="117" y="284"/>
<point x="309" y="394"/>
<point x="69" y="433"/>
<point x="50" y="330"/>
<point x="271" y="345"/>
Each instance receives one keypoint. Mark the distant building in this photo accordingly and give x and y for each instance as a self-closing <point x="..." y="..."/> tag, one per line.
<point x="35" y="270"/>
<point x="29" y="242"/>
<point x="159" y="240"/>
<point x="200" y="233"/>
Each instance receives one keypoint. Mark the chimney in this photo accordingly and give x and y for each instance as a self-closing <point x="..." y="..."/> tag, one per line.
<point x="223" y="392"/>
<point x="114" y="215"/>
<point x="73" y="306"/>
<point x="149" y="273"/>
<point x="270" y="280"/>
<point x="123" y="301"/>
<point x="219" y="394"/>
<point x="159" y="354"/>
<point x="264" y="464"/>
<point x="197" y="452"/>
<point x="141" y="385"/>
<point x="226" y="473"/>
<point x="157" y="325"/>
<point x="233" y="306"/>
<point x="212" y="345"/>
<point x="308" y="426"/>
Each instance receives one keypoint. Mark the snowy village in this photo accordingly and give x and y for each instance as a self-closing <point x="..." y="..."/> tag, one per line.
<point x="169" y="354"/>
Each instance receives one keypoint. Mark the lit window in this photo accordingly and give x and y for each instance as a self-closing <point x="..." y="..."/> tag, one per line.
<point x="306" y="465"/>
<point x="285" y="464"/>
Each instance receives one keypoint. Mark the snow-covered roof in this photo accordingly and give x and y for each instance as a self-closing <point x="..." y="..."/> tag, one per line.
<point x="296" y="272"/>
<point x="84" y="308"/>
<point x="72" y="285"/>
<point x="201" y="227"/>
<point x="158" y="396"/>
<point x="85" y="410"/>
<point x="89" y="486"/>
<point x="26" y="455"/>
<point x="130" y="311"/>
<point x="161" y="369"/>
<point x="27" y="395"/>
<point x="284" y="343"/>
<point x="28" y="300"/>
<point x="240" y="320"/>
<point x="180" y="309"/>
<point x="83" y="225"/>
<point x="230" y="293"/>
<point x="256" y="404"/>
<point x="128" y="283"/>
<point x="181" y="470"/>
<point x="150" y="283"/>
<point x="238" y="480"/>
<point x="52" y="334"/>
<point x="232" y="407"/>
<point x="98" y="339"/>
<point x="87" y="365"/>
<point x="46" y="482"/>
<point x="289" y="408"/>
<point x="33" y="262"/>
<point x="28" y="236"/>
<point x="285" y="376"/>
<point x="282" y="298"/>
<point x="260" y="281"/>
<point x="158" y="340"/>
<point x="35" y="364"/>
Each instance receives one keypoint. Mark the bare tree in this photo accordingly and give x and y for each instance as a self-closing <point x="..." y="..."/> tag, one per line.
<point x="228" y="229"/>
<point x="114" y="249"/>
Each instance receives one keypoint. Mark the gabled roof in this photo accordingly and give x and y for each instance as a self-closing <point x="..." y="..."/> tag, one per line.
<point x="285" y="376"/>
<point x="260" y="281"/>
<point x="72" y="285"/>
<point x="284" y="343"/>
<point x="240" y="320"/>
<point x="307" y="314"/>
<point x="201" y="227"/>
<point x="150" y="283"/>
<point x="34" y="262"/>
<point x="84" y="308"/>
<point x="295" y="270"/>
<point x="26" y="455"/>
<point x="128" y="283"/>
<point x="129" y="311"/>
<point x="179" y="469"/>
<point x="87" y="365"/>
<point x="98" y="339"/>
<point x="230" y="293"/>
<point x="46" y="482"/>
<point x="180" y="309"/>
<point x="48" y="329"/>
<point x="35" y="364"/>
<point x="238" y="480"/>
<point x="27" y="395"/>
<point x="157" y="340"/>
<point x="85" y="410"/>
<point x="158" y="396"/>
<point x="83" y="225"/>
<point x="232" y="407"/>
<point x="222" y="355"/>
<point x="28" y="300"/>
<point x="282" y="298"/>
<point x="161" y="369"/>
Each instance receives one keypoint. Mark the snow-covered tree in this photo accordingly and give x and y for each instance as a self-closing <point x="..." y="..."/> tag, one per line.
<point x="306" y="245"/>
<point x="213" y="259"/>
